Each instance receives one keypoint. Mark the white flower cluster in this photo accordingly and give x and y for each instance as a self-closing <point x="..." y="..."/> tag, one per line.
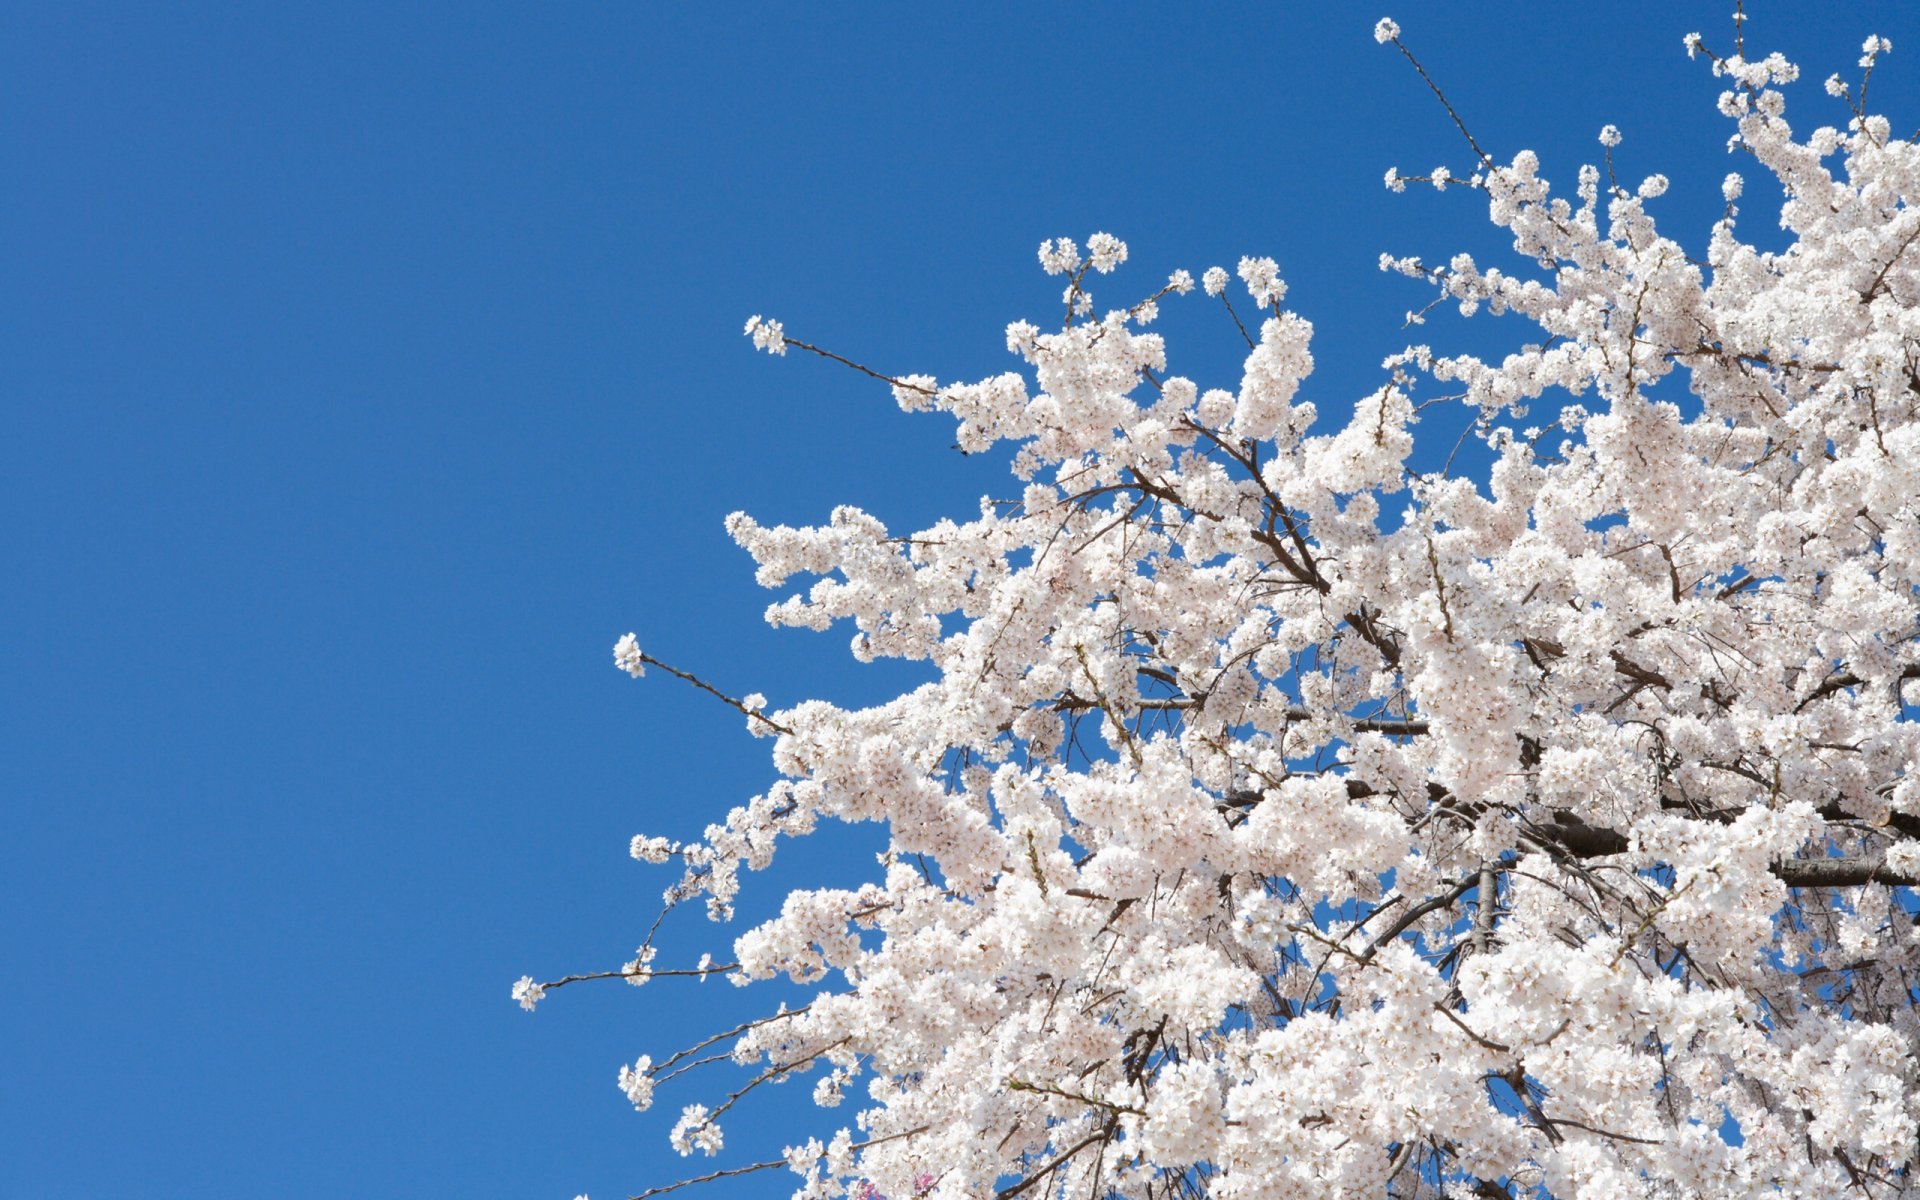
<point x="1277" y="812"/>
<point x="639" y="969"/>
<point x="1262" y="277"/>
<point x="637" y="1082"/>
<point x="767" y="335"/>
<point x="1059" y="257"/>
<point x="1106" y="252"/>
<point x="696" y="1130"/>
<point x="627" y="656"/>
<point x="652" y="849"/>
<point x="528" y="993"/>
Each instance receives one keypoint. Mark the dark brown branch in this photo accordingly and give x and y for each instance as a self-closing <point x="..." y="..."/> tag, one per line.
<point x="1101" y="1134"/>
<point x="1444" y="103"/>
<point x="1756" y="358"/>
<point x="564" y="980"/>
<point x="1847" y="679"/>
<point x="703" y="685"/>
<point x="864" y="370"/>
<point x="1623" y="1137"/>
<point x="1406" y="920"/>
<point x="1842" y="872"/>
<point x="1362" y="623"/>
<point x="1873" y="289"/>
<point x="1576" y="839"/>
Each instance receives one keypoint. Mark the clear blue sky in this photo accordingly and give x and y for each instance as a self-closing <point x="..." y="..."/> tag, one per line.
<point x="369" y="368"/>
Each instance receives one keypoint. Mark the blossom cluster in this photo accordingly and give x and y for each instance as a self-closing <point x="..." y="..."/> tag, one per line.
<point x="1287" y="816"/>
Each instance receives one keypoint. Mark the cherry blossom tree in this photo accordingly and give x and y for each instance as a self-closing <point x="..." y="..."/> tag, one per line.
<point x="1284" y="820"/>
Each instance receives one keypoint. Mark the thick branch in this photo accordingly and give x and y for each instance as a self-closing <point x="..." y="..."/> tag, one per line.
<point x="1575" y="838"/>
<point x="1578" y="839"/>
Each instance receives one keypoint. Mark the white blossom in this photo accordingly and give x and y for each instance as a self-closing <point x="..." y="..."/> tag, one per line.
<point x="652" y="849"/>
<point x="1262" y="277"/>
<point x="1106" y="252"/>
<point x="803" y="1160"/>
<point x="639" y="969"/>
<point x="767" y="335"/>
<point x="627" y="656"/>
<point x="696" y="1130"/>
<point x="528" y="993"/>
<point x="637" y="1082"/>
<point x="1059" y="257"/>
<point x="1385" y="30"/>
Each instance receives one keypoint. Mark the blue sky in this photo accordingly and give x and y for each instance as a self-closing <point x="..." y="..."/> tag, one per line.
<point x="370" y="368"/>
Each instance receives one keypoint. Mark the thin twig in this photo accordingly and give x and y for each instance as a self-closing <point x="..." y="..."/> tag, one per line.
<point x="623" y="973"/>
<point x="864" y="370"/>
<point x="703" y="685"/>
<point x="1444" y="103"/>
<point x="764" y="1166"/>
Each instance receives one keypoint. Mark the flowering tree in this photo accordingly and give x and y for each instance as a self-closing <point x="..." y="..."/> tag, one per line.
<point x="1287" y="821"/>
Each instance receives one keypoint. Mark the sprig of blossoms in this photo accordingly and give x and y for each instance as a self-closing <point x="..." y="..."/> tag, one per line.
<point x="1262" y="277"/>
<point x="1106" y="252"/>
<point x="627" y="656"/>
<point x="1059" y="256"/>
<point x="637" y="1082"/>
<point x="639" y="969"/>
<point x="767" y="335"/>
<point x="696" y="1130"/>
<point x="528" y="993"/>
<point x="652" y="849"/>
